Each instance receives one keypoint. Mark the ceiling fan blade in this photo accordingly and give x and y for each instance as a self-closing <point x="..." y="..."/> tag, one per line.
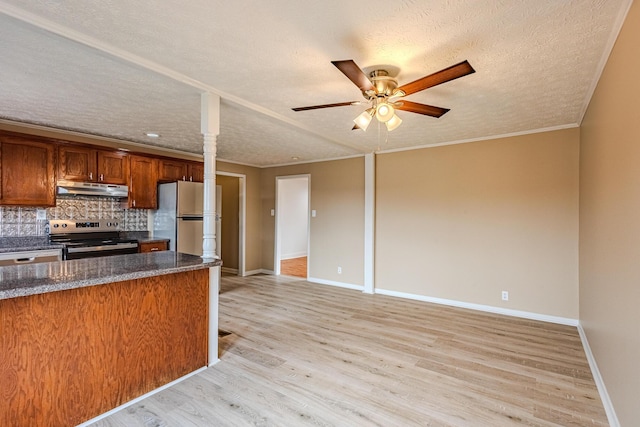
<point x="315" y="107"/>
<point x="355" y="74"/>
<point x="442" y="76"/>
<point x="414" y="107"/>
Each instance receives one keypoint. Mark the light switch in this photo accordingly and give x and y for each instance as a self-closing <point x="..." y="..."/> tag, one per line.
<point x="273" y="212"/>
<point x="41" y="214"/>
<point x="313" y="213"/>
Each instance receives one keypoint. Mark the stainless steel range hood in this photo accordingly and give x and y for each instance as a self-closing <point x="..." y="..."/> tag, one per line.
<point x="92" y="189"/>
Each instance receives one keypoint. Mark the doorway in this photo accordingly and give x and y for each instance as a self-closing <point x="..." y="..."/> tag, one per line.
<point x="292" y="225"/>
<point x="231" y="237"/>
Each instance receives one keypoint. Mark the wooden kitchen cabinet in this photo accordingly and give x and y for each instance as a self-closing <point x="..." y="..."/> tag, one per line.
<point x="86" y="164"/>
<point x="27" y="171"/>
<point x="143" y="188"/>
<point x="172" y="170"/>
<point x="153" y="246"/>
<point x="196" y="172"/>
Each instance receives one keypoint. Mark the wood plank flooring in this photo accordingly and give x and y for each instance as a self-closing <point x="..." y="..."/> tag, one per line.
<point x="307" y="354"/>
<point x="294" y="267"/>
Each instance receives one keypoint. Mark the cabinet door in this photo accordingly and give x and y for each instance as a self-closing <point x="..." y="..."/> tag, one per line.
<point x="196" y="172"/>
<point x="171" y="170"/>
<point x="113" y="167"/>
<point x="143" y="185"/>
<point x="77" y="163"/>
<point x="27" y="172"/>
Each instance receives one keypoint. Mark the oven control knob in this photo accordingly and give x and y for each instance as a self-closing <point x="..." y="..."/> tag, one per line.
<point x="115" y="224"/>
<point x="64" y="225"/>
<point x="108" y="224"/>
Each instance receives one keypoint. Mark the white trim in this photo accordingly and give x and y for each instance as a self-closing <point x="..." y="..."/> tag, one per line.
<point x="305" y="162"/>
<point x="138" y="399"/>
<point x="259" y="271"/>
<point x="615" y="32"/>
<point x="242" y="225"/>
<point x="293" y="255"/>
<point x="480" y="307"/>
<point x="604" y="395"/>
<point x="333" y="283"/>
<point x="214" y="296"/>
<point x="369" y="221"/>
<point x="482" y="138"/>
<point x="229" y="270"/>
<point x="277" y="256"/>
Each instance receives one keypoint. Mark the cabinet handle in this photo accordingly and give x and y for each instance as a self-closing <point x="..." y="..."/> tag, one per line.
<point x="91" y="175"/>
<point x="184" y="178"/>
<point x="191" y="178"/>
<point x="155" y="249"/>
<point x="101" y="177"/>
<point x="133" y="203"/>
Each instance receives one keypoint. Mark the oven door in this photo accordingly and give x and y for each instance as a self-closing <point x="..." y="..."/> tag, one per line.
<point x="79" y="252"/>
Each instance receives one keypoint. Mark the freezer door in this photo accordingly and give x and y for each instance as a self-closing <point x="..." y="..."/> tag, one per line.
<point x="190" y="198"/>
<point x="190" y="236"/>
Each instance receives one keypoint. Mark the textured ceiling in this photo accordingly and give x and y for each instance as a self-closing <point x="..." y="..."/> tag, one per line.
<point x="121" y="68"/>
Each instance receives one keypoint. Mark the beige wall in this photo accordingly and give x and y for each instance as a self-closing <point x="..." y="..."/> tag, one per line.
<point x="610" y="223"/>
<point x="464" y="222"/>
<point x="337" y="233"/>
<point x="230" y="220"/>
<point x="253" y="249"/>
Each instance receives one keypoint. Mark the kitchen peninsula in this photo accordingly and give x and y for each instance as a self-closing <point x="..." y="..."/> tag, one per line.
<point x="81" y="337"/>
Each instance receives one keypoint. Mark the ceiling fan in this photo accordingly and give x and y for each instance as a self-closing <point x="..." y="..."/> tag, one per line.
<point x="381" y="91"/>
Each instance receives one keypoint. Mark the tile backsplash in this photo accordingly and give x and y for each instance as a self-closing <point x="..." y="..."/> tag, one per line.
<point x="22" y="221"/>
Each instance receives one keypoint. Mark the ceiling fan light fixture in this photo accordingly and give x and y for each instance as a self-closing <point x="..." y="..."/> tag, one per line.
<point x="384" y="112"/>
<point x="393" y="122"/>
<point x="363" y="120"/>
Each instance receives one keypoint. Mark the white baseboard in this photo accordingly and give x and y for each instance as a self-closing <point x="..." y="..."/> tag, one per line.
<point x="480" y="307"/>
<point x="259" y="271"/>
<point x="229" y="270"/>
<point x="138" y="399"/>
<point x="338" y="284"/>
<point x="604" y="395"/>
<point x="293" y="255"/>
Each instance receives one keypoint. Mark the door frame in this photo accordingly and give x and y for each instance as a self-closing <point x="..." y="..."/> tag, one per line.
<point x="242" y="223"/>
<point x="277" y="243"/>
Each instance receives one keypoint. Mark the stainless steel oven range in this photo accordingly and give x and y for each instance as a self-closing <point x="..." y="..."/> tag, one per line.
<point x="88" y="238"/>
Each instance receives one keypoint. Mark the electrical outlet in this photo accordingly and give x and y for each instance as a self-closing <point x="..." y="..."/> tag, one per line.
<point x="505" y="295"/>
<point x="339" y="270"/>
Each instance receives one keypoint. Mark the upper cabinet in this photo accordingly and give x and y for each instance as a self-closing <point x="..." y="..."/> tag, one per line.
<point x="196" y="172"/>
<point x="77" y="163"/>
<point x="143" y="184"/>
<point x="172" y="170"/>
<point x="180" y="170"/>
<point x="27" y="171"/>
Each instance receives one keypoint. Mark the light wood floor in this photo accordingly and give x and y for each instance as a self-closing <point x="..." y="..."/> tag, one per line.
<point x="294" y="267"/>
<point x="308" y="354"/>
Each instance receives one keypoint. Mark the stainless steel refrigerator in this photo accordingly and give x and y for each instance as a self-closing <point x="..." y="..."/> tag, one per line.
<point x="179" y="216"/>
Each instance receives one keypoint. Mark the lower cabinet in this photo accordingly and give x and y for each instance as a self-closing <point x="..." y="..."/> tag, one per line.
<point x="153" y="246"/>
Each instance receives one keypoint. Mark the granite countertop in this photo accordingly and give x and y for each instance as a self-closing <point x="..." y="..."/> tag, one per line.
<point x="32" y="279"/>
<point x="142" y="236"/>
<point x="34" y="243"/>
<point x="19" y="244"/>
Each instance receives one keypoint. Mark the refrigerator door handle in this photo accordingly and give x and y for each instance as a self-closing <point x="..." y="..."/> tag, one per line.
<point x="190" y="218"/>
